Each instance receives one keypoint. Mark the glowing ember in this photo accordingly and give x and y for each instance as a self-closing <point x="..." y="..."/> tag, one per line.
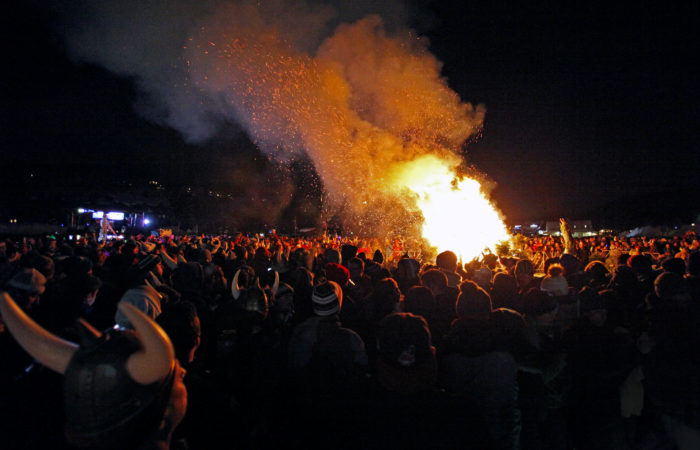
<point x="457" y="215"/>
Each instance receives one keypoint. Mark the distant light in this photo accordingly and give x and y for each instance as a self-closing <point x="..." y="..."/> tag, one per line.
<point x="262" y="234"/>
<point x="81" y="210"/>
<point x="517" y="227"/>
<point x="78" y="237"/>
<point x="115" y="215"/>
<point x="98" y="214"/>
<point x="146" y="221"/>
<point x="534" y="225"/>
<point x="70" y="237"/>
<point x="692" y="224"/>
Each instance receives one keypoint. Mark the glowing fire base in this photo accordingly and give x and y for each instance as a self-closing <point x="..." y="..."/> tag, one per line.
<point x="457" y="214"/>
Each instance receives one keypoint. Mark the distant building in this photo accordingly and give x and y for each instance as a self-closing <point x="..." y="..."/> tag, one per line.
<point x="579" y="228"/>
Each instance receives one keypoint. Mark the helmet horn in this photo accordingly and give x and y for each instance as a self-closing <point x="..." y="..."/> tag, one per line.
<point x="156" y="358"/>
<point x="49" y="350"/>
<point x="235" y="290"/>
<point x="150" y="288"/>
<point x="88" y="333"/>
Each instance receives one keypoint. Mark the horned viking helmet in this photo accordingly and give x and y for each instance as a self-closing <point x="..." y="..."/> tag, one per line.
<point x="117" y="384"/>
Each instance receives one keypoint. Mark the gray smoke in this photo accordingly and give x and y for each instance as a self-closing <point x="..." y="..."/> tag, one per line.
<point x="148" y="41"/>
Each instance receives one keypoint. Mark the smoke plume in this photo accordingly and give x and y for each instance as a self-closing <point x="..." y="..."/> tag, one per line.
<point x="357" y="96"/>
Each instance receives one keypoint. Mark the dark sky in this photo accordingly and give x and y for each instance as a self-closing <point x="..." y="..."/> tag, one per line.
<point x="589" y="110"/>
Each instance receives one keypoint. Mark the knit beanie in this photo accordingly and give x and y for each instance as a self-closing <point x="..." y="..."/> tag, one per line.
<point x="337" y="273"/>
<point x="327" y="299"/>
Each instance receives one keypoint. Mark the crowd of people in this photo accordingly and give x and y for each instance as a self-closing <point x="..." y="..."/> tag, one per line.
<point x="285" y="342"/>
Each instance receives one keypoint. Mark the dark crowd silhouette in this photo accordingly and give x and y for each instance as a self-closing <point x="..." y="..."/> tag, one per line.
<point x="203" y="342"/>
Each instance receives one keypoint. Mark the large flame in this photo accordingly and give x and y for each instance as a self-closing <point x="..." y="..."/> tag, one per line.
<point x="457" y="215"/>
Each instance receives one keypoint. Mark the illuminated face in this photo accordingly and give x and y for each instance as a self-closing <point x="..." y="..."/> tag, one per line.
<point x="90" y="299"/>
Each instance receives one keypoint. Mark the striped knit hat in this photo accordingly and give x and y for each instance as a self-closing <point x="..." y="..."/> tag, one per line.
<point x="327" y="299"/>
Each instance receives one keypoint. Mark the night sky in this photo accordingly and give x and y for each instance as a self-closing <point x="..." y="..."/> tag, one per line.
<point x="591" y="113"/>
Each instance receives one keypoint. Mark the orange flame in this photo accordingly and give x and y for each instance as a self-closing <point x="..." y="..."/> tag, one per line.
<point x="457" y="215"/>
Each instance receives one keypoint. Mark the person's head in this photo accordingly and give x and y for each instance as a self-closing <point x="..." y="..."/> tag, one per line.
<point x="675" y="265"/>
<point x="555" y="283"/>
<point x="50" y="244"/>
<point x="491" y="261"/>
<point x="339" y="274"/>
<point x="378" y="256"/>
<point x="407" y="269"/>
<point x="327" y="299"/>
<point x="550" y="261"/>
<point x="419" y="300"/>
<point x="405" y="354"/>
<point x="570" y="263"/>
<point x="524" y="272"/>
<point x="473" y="301"/>
<point x="482" y="277"/>
<point x="446" y="260"/>
<point x="240" y="252"/>
<point x="671" y="287"/>
<point x="434" y="280"/>
<point x="504" y="290"/>
<point x="188" y="277"/>
<point x="88" y="287"/>
<point x="282" y="307"/>
<point x="540" y="305"/>
<point x="332" y="256"/>
<point x="597" y="272"/>
<point x="250" y="299"/>
<point x="510" y="327"/>
<point x="385" y="298"/>
<point x="641" y="264"/>
<point x="303" y="258"/>
<point x="356" y="266"/>
<point x="43" y="264"/>
<point x="181" y="323"/>
<point x="26" y="286"/>
<point x="120" y="387"/>
<point x="348" y="252"/>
